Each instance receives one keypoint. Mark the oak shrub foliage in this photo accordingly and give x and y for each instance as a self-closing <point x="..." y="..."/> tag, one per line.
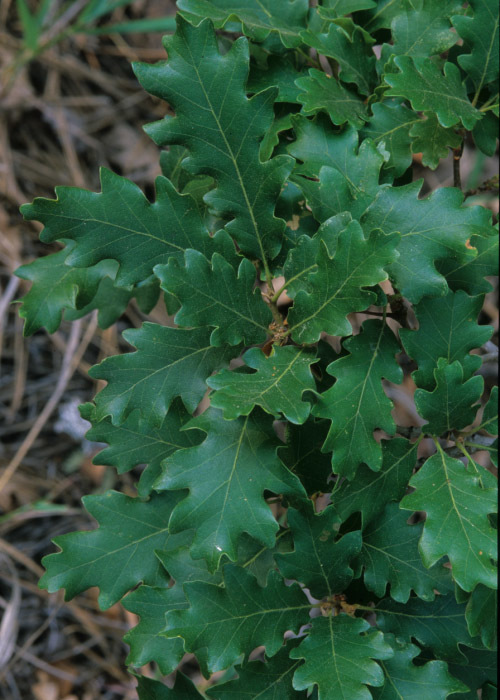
<point x="282" y="516"/>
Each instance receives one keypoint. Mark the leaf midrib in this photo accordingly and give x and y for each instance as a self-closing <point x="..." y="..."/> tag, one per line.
<point x="110" y="224"/>
<point x="233" y="159"/>
<point x="261" y="612"/>
<point x="132" y="387"/>
<point x="384" y="474"/>
<point x="108" y="553"/>
<point x="487" y="62"/>
<point x="199" y="291"/>
<point x="367" y="377"/>
<point x="337" y="292"/>
<point x="229" y="482"/>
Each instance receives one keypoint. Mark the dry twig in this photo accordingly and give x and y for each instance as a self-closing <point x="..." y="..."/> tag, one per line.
<point x="71" y="359"/>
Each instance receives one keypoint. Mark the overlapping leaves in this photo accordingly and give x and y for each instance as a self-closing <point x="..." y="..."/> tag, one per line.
<point x="337" y="285"/>
<point x="424" y="85"/>
<point x="221" y="129"/>
<point x="431" y="229"/>
<point x="258" y="19"/>
<point x="169" y="362"/>
<point x="226" y="476"/>
<point x="236" y="618"/>
<point x="119" y="554"/>
<point x="279" y="380"/>
<point x="213" y="294"/>
<point x="457" y="523"/>
<point x="301" y="119"/>
<point x="339" y="655"/>
<point x="357" y="404"/>
<point x="404" y="679"/>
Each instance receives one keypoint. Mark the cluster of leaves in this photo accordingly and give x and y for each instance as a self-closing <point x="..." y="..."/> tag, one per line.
<point x="310" y="117"/>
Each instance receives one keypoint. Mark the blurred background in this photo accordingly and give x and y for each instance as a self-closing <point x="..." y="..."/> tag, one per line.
<point x="69" y="103"/>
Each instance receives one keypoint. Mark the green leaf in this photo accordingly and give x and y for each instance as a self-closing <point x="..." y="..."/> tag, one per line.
<point x="171" y="160"/>
<point x="57" y="287"/>
<point x="222" y="129"/>
<point x="31" y="25"/>
<point x="404" y="679"/>
<point x="370" y="491"/>
<point x="302" y="455"/>
<point x="480" y="34"/>
<point x="469" y="274"/>
<point x="169" y="362"/>
<point x="269" y="680"/>
<point x="337" y="285"/>
<point x="320" y="560"/>
<point x="237" y="618"/>
<point x="390" y="556"/>
<point x="389" y="127"/>
<point x="489" y="423"/>
<point x="330" y="195"/>
<point x="481" y="615"/>
<point x="277" y="385"/>
<point x="490" y="692"/>
<point x="428" y="89"/>
<point x="450" y="405"/>
<point x="301" y="260"/>
<point x="457" y="522"/>
<point x="181" y="567"/>
<point x="348" y="175"/>
<point x="339" y="653"/>
<point x="145" y="640"/>
<point x="280" y="72"/>
<point x="431" y="229"/>
<point x="119" y="554"/>
<point x="424" y="31"/>
<point x="150" y="689"/>
<point x="289" y="486"/>
<point x="119" y="223"/>
<point x="302" y="257"/>
<point x="322" y="93"/>
<point x="439" y="624"/>
<point x="478" y="667"/>
<point x="432" y="140"/>
<point x="111" y="301"/>
<point x="259" y="18"/>
<point x="384" y="12"/>
<point x="138" y="441"/>
<point x="489" y="419"/>
<point x="272" y="138"/>
<point x="447" y="329"/>
<point x="351" y="51"/>
<point x="485" y="134"/>
<point x="317" y="144"/>
<point x="356" y="404"/>
<point x="331" y="9"/>
<point x="259" y="560"/>
<point x="212" y="294"/>
<point x="226" y="477"/>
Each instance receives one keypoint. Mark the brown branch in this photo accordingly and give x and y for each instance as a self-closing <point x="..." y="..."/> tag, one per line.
<point x="489" y="185"/>
<point x="457" y="155"/>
